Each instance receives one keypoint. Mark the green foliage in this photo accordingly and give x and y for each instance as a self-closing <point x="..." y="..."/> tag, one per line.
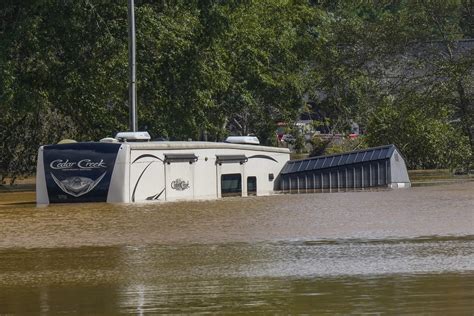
<point x="345" y="145"/>
<point x="318" y="146"/>
<point x="421" y="129"/>
<point x="401" y="71"/>
<point x="336" y="145"/>
<point x="25" y="133"/>
<point x="237" y="67"/>
<point x="231" y="67"/>
<point x="299" y="144"/>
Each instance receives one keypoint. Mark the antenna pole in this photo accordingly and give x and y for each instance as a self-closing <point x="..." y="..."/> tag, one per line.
<point x="132" y="89"/>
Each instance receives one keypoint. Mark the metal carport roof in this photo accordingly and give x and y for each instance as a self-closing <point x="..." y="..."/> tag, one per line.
<point x="331" y="161"/>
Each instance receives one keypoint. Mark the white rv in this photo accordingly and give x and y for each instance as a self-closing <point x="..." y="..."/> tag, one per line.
<point x="141" y="171"/>
<point x="129" y="168"/>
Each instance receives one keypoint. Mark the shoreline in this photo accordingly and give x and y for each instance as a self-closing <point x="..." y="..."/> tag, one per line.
<point x="6" y="188"/>
<point x="418" y="178"/>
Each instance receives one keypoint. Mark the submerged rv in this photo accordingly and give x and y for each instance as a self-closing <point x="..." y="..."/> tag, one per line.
<point x="140" y="171"/>
<point x="129" y="168"/>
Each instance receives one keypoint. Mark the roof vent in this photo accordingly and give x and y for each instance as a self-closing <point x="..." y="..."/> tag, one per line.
<point x="133" y="136"/>
<point x="250" y="140"/>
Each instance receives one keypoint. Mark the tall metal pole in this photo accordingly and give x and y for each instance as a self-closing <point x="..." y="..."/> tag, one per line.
<point x="132" y="90"/>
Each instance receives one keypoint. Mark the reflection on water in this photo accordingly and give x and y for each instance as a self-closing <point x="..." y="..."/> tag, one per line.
<point x="402" y="251"/>
<point x="399" y="294"/>
<point x="407" y="275"/>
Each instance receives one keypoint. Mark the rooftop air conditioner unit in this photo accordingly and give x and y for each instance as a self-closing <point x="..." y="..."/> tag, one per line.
<point x="250" y="140"/>
<point x="133" y="136"/>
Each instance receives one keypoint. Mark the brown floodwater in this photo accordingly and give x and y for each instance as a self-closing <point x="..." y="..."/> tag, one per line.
<point x="390" y="251"/>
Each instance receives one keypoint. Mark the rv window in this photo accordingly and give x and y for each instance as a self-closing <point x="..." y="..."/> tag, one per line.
<point x="231" y="184"/>
<point x="251" y="185"/>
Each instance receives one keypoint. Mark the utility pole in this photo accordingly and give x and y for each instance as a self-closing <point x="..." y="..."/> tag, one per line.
<point x="132" y="89"/>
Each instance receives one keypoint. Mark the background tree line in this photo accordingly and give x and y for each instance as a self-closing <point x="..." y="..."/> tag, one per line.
<point x="402" y="69"/>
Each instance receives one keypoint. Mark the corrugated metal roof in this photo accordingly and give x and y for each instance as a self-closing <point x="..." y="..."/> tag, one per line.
<point x="353" y="157"/>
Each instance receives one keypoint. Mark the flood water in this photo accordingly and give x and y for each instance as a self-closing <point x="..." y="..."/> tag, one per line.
<point x="392" y="251"/>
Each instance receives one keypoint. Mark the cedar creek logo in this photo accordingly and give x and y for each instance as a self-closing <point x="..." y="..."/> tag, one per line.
<point x="60" y="164"/>
<point x="180" y="185"/>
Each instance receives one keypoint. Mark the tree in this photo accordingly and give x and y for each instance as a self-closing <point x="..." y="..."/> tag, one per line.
<point x="423" y="133"/>
<point x="402" y="53"/>
<point x="208" y="67"/>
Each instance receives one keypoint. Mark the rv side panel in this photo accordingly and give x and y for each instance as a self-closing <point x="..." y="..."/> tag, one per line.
<point x="147" y="176"/>
<point x="41" y="190"/>
<point x="119" y="191"/>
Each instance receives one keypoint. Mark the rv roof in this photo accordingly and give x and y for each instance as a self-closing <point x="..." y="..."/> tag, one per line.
<point x="202" y="145"/>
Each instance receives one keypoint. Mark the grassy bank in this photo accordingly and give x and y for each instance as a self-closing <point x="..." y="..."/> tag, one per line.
<point x="436" y="176"/>
<point x="21" y="185"/>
